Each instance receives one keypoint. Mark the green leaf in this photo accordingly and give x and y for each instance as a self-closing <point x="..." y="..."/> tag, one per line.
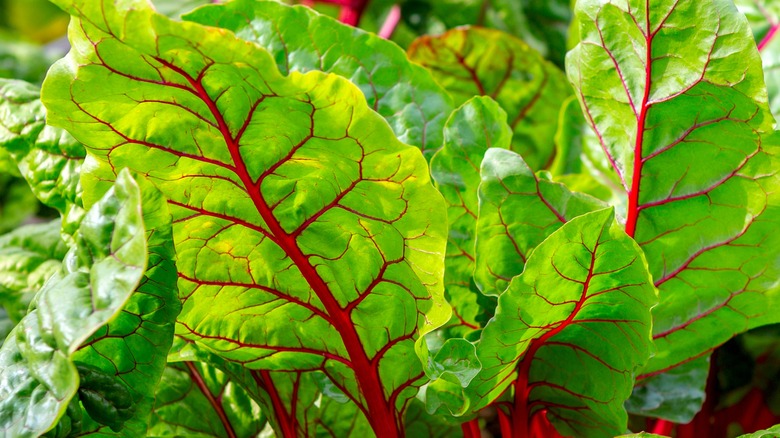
<point x="38" y="376"/>
<point x="204" y="396"/>
<point x="289" y="258"/>
<point x="570" y="332"/>
<point x="17" y="202"/>
<point x="48" y="158"/>
<point x="766" y="433"/>
<point x="641" y="435"/>
<point x="302" y="40"/>
<point x="517" y="211"/>
<point x="682" y="112"/>
<point x="676" y="395"/>
<point x="28" y="257"/>
<point x="474" y="127"/>
<point x="419" y="423"/>
<point x="474" y="61"/>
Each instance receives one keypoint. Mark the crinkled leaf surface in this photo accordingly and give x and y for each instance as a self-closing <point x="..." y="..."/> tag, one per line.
<point x="132" y="348"/>
<point x="477" y="125"/>
<point x="49" y="158"/>
<point x="474" y="61"/>
<point x="682" y="112"/>
<point x="38" y="376"/>
<point x="308" y="237"/>
<point x="302" y="40"/>
<point x="570" y="332"/>
<point x="29" y="255"/>
<point x="517" y="211"/>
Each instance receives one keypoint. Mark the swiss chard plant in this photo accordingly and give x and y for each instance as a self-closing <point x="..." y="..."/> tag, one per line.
<point x="272" y="223"/>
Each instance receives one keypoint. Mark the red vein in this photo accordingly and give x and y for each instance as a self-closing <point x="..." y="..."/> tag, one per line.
<point x="382" y="414"/>
<point x="198" y="379"/>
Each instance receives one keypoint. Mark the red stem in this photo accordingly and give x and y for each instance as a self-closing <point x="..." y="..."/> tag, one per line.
<point x="198" y="379"/>
<point x="636" y="177"/>
<point x="471" y="429"/>
<point x="286" y="422"/>
<point x="506" y="425"/>
<point x="351" y="13"/>
<point x="768" y="37"/>
<point x="662" y="427"/>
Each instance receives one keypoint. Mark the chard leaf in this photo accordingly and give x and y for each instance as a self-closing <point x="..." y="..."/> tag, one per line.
<point x="17" y="202"/>
<point x="517" y="211"/>
<point x="296" y="403"/>
<point x="302" y="40"/>
<point x="208" y="399"/>
<point x="690" y="138"/>
<point x="308" y="237"/>
<point x="571" y="330"/>
<point x="28" y="257"/>
<point x="477" y="125"/>
<point x="77" y="312"/>
<point x="474" y="61"/>
<point x="676" y="395"/>
<point x="48" y="158"/>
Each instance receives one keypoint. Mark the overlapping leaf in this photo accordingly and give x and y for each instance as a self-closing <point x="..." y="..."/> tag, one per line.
<point x="49" y="158"/>
<point x="199" y="401"/>
<point x="77" y="321"/>
<point x="471" y="129"/>
<point x="308" y="238"/>
<point x="28" y="257"/>
<point x="570" y="332"/>
<point x="687" y="131"/>
<point x="483" y="62"/>
<point x="301" y="40"/>
<point x="517" y="211"/>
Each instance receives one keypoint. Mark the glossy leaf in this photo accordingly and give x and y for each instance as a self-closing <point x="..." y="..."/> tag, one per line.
<point x="299" y="39"/>
<point x="570" y="332"/>
<point x="48" y="158"/>
<point x="517" y="211"/>
<point x="471" y="129"/>
<point x="29" y="255"/>
<point x="289" y="258"/>
<point x="473" y="61"/>
<point x="690" y="138"/>
<point x="38" y="375"/>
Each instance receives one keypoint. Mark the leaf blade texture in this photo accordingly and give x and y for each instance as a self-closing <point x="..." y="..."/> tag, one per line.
<point x="271" y="233"/>
<point x="570" y="332"/>
<point x="691" y="138"/>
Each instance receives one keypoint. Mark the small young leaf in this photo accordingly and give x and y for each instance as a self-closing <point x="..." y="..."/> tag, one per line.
<point x="517" y="211"/>
<point x="477" y="125"/>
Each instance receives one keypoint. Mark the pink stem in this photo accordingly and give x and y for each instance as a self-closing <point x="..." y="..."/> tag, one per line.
<point x="768" y="37"/>
<point x="391" y="22"/>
